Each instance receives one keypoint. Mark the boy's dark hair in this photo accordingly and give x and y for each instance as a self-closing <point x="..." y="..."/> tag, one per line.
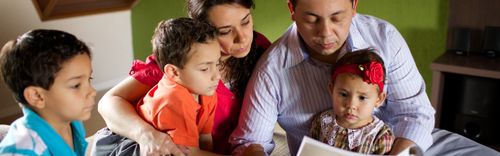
<point x="360" y="57"/>
<point x="35" y="58"/>
<point x="173" y="38"/>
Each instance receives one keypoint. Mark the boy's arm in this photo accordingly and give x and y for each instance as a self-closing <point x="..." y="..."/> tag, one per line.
<point x="206" y="142"/>
<point x="120" y="116"/>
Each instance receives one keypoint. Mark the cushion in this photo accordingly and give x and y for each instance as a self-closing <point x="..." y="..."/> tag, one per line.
<point x="3" y="131"/>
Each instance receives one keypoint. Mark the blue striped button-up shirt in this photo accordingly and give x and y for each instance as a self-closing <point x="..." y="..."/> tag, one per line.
<point x="289" y="87"/>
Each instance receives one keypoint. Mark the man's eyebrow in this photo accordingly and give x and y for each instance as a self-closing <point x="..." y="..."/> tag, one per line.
<point x="333" y="14"/>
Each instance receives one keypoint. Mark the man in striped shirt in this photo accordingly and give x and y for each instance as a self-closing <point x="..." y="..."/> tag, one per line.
<point x="290" y="83"/>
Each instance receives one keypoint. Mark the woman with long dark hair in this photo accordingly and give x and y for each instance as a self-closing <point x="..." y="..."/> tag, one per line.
<point x="241" y="48"/>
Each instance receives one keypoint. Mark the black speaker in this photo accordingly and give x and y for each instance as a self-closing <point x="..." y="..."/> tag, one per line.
<point x="479" y="109"/>
<point x="483" y="130"/>
<point x="491" y="42"/>
<point x="460" y="43"/>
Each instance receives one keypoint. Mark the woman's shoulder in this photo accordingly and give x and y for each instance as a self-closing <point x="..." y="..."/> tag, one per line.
<point x="147" y="72"/>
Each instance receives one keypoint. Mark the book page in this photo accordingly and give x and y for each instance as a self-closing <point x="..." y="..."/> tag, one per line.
<point x="310" y="147"/>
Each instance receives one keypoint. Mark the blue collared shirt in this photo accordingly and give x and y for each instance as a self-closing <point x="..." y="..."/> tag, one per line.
<point x="289" y="87"/>
<point x="32" y="135"/>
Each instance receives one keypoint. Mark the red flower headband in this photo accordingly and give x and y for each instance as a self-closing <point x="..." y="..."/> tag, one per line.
<point x="371" y="72"/>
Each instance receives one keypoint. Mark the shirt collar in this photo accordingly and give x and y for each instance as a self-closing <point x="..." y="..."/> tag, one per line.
<point x="54" y="141"/>
<point x="356" y="137"/>
<point x="295" y="53"/>
<point x="355" y="40"/>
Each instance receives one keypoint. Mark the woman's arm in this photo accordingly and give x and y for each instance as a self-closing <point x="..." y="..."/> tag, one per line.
<point x="117" y="107"/>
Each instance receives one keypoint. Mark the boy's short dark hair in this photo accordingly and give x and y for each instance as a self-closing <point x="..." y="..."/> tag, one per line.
<point x="35" y="58"/>
<point x="173" y="39"/>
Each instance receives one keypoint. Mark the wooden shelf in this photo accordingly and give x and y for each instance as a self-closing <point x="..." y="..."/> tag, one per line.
<point x="56" y="9"/>
<point x="472" y="65"/>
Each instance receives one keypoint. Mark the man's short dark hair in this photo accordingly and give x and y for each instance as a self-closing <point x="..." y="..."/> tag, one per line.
<point x="294" y="3"/>
<point x="173" y="39"/>
<point x="35" y="58"/>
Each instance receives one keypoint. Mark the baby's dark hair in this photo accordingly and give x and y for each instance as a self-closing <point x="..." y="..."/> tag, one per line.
<point x="35" y="58"/>
<point x="173" y="38"/>
<point x="358" y="57"/>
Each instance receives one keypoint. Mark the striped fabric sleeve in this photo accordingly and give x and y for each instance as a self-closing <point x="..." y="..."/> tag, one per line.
<point x="407" y="109"/>
<point x="258" y="115"/>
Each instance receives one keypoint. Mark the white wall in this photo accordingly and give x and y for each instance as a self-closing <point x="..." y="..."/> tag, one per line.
<point x="109" y="35"/>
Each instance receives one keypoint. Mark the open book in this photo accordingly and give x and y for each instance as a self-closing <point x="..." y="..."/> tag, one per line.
<point x="310" y="146"/>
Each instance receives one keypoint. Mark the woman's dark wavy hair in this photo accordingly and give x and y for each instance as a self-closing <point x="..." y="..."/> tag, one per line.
<point x="198" y="9"/>
<point x="238" y="69"/>
<point x="35" y="58"/>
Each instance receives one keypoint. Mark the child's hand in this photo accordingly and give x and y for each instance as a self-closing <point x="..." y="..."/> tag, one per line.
<point x="184" y="149"/>
<point x="158" y="143"/>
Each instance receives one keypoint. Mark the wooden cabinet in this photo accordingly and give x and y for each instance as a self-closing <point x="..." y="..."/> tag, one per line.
<point x="457" y="81"/>
<point x="472" y="65"/>
<point x="473" y="15"/>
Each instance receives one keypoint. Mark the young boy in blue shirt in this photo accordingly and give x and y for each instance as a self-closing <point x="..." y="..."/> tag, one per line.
<point x="49" y="73"/>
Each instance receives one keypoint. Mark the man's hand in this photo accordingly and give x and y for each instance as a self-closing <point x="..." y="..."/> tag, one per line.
<point x="157" y="143"/>
<point x="399" y="145"/>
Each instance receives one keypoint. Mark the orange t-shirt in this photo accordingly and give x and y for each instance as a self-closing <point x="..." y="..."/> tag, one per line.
<point x="171" y="108"/>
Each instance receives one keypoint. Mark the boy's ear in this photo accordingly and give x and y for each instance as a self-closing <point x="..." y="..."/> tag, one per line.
<point x="381" y="99"/>
<point x="172" y="72"/>
<point x="34" y="96"/>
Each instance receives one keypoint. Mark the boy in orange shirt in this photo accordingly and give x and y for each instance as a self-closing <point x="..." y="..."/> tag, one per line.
<point x="183" y="103"/>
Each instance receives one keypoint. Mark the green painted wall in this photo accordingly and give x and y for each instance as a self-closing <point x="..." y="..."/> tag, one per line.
<point x="271" y="19"/>
<point x="145" y="17"/>
<point x="423" y="23"/>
